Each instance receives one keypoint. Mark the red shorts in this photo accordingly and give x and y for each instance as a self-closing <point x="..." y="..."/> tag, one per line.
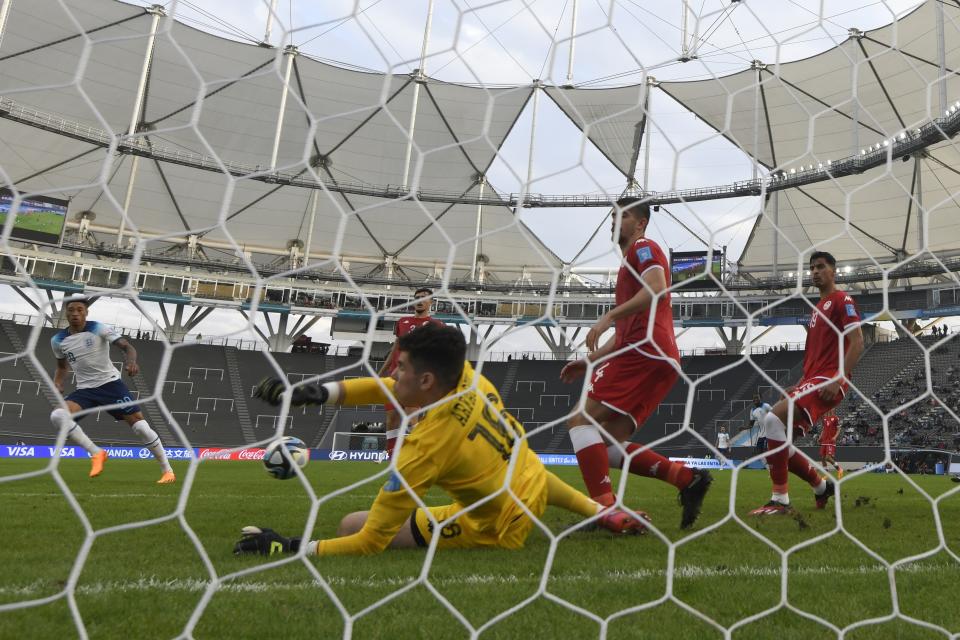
<point x="809" y="407"/>
<point x="828" y="450"/>
<point x="633" y="384"/>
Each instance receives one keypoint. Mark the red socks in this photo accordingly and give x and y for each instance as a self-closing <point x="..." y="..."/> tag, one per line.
<point x="595" y="468"/>
<point x="651" y="464"/>
<point x="779" y="465"/>
<point x="594" y="462"/>
<point x="391" y="441"/>
<point x="800" y="466"/>
<point x="594" y="458"/>
<point x="783" y="462"/>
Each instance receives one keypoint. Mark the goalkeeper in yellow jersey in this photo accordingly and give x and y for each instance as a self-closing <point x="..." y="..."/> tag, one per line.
<point x="463" y="443"/>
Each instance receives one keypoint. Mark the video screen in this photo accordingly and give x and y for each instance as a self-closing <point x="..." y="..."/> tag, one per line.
<point x="40" y="219"/>
<point x="685" y="265"/>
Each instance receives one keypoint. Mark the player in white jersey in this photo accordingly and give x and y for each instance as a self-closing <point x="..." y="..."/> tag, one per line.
<point x="723" y="442"/>
<point x="84" y="346"/>
<point x="757" y="414"/>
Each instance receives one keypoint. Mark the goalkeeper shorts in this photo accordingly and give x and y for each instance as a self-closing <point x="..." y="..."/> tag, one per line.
<point x="467" y="532"/>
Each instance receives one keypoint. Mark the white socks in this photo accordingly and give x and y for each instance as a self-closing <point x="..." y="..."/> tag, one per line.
<point x="820" y="488"/>
<point x="774" y="427"/>
<point x="62" y="420"/>
<point x="151" y="441"/>
<point x="585" y="435"/>
<point x="615" y="454"/>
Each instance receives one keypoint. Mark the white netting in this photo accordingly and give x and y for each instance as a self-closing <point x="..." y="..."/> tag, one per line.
<point x="208" y="171"/>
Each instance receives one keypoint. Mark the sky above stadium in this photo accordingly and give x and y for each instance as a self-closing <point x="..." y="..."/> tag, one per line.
<point x="616" y="43"/>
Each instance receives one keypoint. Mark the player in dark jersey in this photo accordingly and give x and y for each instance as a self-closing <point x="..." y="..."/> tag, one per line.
<point x="834" y="323"/>
<point x="423" y="299"/>
<point x="828" y="443"/>
<point x="636" y="370"/>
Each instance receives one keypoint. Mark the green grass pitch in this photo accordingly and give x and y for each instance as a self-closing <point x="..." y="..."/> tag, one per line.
<point x="146" y="582"/>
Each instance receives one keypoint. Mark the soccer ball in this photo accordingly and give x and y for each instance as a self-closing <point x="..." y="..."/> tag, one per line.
<point x="283" y="455"/>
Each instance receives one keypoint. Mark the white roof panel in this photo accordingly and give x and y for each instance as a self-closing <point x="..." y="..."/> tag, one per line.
<point x="611" y="118"/>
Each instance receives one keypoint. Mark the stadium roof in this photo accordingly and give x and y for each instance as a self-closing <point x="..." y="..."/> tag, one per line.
<point x="867" y="89"/>
<point x="211" y="100"/>
<point x="218" y="99"/>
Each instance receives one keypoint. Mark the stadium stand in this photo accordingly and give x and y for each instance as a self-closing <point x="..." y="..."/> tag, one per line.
<point x="925" y="420"/>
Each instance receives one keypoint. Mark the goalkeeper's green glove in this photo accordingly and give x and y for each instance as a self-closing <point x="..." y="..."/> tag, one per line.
<point x="270" y="390"/>
<point x="266" y="542"/>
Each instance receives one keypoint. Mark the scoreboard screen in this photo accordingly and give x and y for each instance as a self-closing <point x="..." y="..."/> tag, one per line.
<point x="40" y="219"/>
<point x="685" y="265"/>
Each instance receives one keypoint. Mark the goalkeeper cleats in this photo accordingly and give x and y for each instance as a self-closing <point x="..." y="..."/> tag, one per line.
<point x="270" y="390"/>
<point x="691" y="497"/>
<point x="265" y="542"/>
<point x="167" y="478"/>
<point x="96" y="463"/>
<point x="773" y="508"/>
<point x="823" y="499"/>
<point x="624" y="522"/>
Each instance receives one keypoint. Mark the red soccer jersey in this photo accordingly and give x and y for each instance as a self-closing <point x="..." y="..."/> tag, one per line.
<point x="833" y="314"/>
<point x="404" y="326"/>
<point x="831" y="427"/>
<point x="645" y="254"/>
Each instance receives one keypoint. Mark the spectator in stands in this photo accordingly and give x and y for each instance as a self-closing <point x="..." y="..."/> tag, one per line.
<point x="301" y="344"/>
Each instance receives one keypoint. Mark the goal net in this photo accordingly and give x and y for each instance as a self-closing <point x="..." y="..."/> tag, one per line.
<point x="259" y="188"/>
<point x="359" y="446"/>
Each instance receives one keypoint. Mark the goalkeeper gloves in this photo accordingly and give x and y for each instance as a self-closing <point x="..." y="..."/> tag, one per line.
<point x="270" y="391"/>
<point x="266" y="542"/>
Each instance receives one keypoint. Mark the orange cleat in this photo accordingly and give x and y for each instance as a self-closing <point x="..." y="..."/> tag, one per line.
<point x="167" y="478"/>
<point x="96" y="463"/>
<point x="839" y="473"/>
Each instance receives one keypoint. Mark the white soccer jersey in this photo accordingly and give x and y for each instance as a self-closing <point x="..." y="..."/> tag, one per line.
<point x="723" y="441"/>
<point x="88" y="353"/>
<point x="758" y="414"/>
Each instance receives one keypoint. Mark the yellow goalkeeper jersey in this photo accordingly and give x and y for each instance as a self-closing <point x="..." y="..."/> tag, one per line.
<point x="463" y="446"/>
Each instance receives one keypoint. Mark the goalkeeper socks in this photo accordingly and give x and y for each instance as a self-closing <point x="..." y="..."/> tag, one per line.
<point x="63" y="421"/>
<point x="651" y="464"/>
<point x="800" y="466"/>
<point x="151" y="441"/>
<point x="594" y="464"/>
<point x="560" y="494"/>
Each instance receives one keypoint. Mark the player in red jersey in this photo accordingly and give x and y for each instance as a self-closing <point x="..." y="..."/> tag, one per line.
<point x="828" y="443"/>
<point x="826" y="369"/>
<point x="423" y="298"/>
<point x="637" y="368"/>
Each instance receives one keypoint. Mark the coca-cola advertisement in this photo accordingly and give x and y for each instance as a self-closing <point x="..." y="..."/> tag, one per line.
<point x="217" y="453"/>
